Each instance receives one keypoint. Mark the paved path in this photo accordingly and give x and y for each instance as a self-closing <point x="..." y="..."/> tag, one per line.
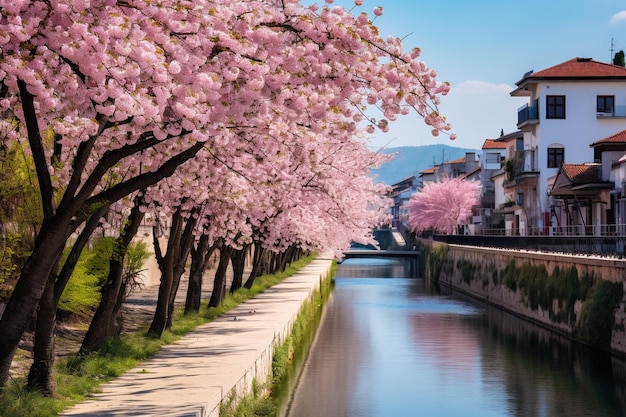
<point x="190" y="377"/>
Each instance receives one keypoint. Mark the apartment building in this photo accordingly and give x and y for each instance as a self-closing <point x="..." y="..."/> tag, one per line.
<point x="571" y="106"/>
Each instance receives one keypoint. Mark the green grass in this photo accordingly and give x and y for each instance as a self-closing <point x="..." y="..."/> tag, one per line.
<point x="82" y="293"/>
<point x="79" y="376"/>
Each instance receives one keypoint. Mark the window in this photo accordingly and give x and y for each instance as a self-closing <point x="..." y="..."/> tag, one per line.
<point x="555" y="107"/>
<point x="556" y="156"/>
<point x="605" y="104"/>
<point x="492" y="158"/>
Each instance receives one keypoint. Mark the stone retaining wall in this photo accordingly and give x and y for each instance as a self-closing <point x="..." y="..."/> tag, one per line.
<point x="581" y="297"/>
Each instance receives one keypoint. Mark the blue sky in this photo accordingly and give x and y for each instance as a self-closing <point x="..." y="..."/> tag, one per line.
<point x="483" y="47"/>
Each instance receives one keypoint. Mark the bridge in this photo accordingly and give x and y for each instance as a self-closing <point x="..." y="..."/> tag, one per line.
<point x="373" y="253"/>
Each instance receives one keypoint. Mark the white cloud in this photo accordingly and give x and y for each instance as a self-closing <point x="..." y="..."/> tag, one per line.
<point x="618" y="17"/>
<point x="480" y="88"/>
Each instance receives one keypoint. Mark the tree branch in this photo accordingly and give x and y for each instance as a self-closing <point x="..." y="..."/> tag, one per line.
<point x="36" y="146"/>
<point x="145" y="180"/>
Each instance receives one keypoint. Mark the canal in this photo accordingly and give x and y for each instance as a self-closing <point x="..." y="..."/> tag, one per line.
<point x="388" y="345"/>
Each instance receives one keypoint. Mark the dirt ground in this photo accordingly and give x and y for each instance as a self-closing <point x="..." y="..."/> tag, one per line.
<point x="70" y="334"/>
<point x="138" y="311"/>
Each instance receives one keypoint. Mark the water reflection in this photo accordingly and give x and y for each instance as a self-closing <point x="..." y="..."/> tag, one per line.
<point x="374" y="268"/>
<point x="392" y="347"/>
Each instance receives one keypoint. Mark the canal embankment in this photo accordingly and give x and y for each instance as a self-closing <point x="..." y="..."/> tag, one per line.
<point x="218" y="362"/>
<point x="581" y="297"/>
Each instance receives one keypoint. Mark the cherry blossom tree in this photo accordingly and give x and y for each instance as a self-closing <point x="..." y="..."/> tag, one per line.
<point x="442" y="206"/>
<point x="137" y="91"/>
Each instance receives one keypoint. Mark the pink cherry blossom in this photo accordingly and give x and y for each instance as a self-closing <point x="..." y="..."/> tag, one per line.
<point x="442" y="206"/>
<point x="250" y="110"/>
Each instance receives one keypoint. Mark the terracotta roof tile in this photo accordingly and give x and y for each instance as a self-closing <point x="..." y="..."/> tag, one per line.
<point x="581" y="68"/>
<point x="455" y="161"/>
<point x="493" y="144"/>
<point x="582" y="173"/>
<point x="430" y="170"/>
<point x="619" y="137"/>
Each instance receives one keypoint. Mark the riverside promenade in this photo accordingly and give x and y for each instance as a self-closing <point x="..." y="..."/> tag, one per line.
<point x="214" y="362"/>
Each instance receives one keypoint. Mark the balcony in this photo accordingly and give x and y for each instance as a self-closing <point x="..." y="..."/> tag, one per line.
<point x="521" y="168"/>
<point x="522" y="162"/>
<point x="618" y="111"/>
<point x="528" y="115"/>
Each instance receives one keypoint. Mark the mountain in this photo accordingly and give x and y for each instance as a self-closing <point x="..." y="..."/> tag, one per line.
<point x="410" y="160"/>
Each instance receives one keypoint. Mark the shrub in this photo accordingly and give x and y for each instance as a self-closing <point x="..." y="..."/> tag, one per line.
<point x="599" y="313"/>
<point x="82" y="293"/>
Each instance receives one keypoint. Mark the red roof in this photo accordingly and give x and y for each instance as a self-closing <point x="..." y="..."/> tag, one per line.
<point x="579" y="181"/>
<point x="582" y="173"/>
<point x="494" y="144"/>
<point x="455" y="161"/>
<point x="577" y="68"/>
<point x="430" y="170"/>
<point x="619" y="137"/>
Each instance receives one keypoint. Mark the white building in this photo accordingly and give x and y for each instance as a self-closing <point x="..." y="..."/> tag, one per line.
<point x="570" y="106"/>
<point x="493" y="198"/>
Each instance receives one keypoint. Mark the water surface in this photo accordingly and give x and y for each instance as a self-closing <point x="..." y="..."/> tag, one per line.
<point x="388" y="346"/>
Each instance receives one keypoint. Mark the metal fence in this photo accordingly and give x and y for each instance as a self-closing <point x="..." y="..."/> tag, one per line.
<point x="613" y="246"/>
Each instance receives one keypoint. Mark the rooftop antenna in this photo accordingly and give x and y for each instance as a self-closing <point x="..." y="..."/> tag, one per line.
<point x="611" y="57"/>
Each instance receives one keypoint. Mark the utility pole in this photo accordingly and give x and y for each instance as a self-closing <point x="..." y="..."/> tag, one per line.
<point x="612" y="46"/>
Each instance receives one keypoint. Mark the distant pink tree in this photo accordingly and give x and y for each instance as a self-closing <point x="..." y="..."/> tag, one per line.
<point x="444" y="205"/>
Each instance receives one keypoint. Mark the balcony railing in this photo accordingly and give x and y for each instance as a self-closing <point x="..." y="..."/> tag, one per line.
<point x="609" y="246"/>
<point x="618" y="111"/>
<point x="527" y="114"/>
<point x="522" y="163"/>
<point x="601" y="230"/>
<point x="526" y="161"/>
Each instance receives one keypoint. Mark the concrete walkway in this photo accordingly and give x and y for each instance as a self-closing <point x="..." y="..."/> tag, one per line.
<point x="218" y="359"/>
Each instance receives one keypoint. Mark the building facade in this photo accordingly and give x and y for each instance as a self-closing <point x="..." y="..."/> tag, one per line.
<point x="570" y="106"/>
<point x="563" y="172"/>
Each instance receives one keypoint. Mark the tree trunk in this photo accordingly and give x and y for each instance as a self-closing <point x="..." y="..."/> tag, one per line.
<point x="257" y="264"/>
<point x="286" y="257"/>
<point x="104" y="323"/>
<point x="28" y="291"/>
<point x="166" y="265"/>
<point x="180" y="262"/>
<point x="200" y="256"/>
<point x="41" y="374"/>
<point x="219" y="282"/>
<point x="238" y="261"/>
<point x="274" y="262"/>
